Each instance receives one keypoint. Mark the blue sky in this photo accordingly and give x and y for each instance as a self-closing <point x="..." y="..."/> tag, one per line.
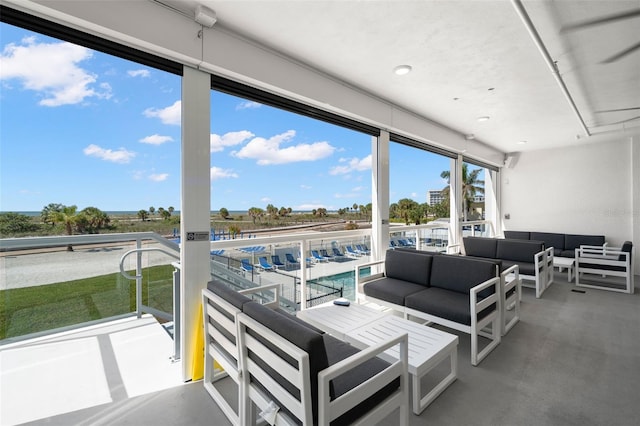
<point x="81" y="127"/>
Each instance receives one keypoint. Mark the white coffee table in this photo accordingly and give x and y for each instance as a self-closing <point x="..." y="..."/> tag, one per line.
<point x="363" y="326"/>
<point x="565" y="262"/>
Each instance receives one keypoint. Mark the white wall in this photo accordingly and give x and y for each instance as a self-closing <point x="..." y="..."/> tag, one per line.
<point x="585" y="189"/>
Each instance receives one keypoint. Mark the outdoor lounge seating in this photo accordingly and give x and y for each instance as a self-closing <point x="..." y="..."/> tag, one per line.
<point x="318" y="257"/>
<point x="597" y="263"/>
<point x="564" y="245"/>
<point x="351" y="252"/>
<point x="326" y="255"/>
<point x="296" y="374"/>
<point x="221" y="304"/>
<point x="338" y="255"/>
<point x="535" y="262"/>
<point x="291" y="261"/>
<point x="275" y="261"/>
<point x="453" y="291"/>
<point x="264" y="264"/>
<point x="246" y="266"/>
<point x="307" y="376"/>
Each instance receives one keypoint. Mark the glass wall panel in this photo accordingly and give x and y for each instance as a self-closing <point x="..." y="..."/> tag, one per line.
<point x="90" y="145"/>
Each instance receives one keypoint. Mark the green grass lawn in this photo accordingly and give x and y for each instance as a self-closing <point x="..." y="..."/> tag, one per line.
<point x="46" y="307"/>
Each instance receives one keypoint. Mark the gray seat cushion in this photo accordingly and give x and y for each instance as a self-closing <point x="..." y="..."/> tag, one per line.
<point x="524" y="268"/>
<point x="338" y="350"/>
<point x="391" y="290"/>
<point x="445" y="304"/>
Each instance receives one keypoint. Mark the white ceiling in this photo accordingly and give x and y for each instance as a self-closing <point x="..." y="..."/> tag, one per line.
<point x="469" y="59"/>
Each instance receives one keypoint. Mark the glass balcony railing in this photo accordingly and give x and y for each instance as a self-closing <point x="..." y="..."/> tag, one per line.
<point x="56" y="283"/>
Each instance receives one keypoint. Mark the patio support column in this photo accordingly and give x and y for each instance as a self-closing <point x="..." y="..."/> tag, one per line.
<point x="634" y="142"/>
<point x="380" y="195"/>
<point x="195" y="208"/>
<point x="492" y="201"/>
<point x="456" y="206"/>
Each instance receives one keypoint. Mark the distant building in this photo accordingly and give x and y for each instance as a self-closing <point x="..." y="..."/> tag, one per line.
<point x="434" y="197"/>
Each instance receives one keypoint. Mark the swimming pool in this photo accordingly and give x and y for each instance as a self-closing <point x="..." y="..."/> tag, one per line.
<point x="345" y="280"/>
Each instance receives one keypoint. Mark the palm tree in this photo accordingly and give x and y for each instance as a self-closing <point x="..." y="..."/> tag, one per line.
<point x="49" y="212"/>
<point x="255" y="213"/>
<point x="152" y="210"/>
<point x="224" y="213"/>
<point x="406" y="205"/>
<point x="142" y="214"/>
<point x="68" y="215"/>
<point x="471" y="186"/>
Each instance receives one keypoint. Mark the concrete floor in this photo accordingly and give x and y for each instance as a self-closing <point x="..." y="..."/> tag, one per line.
<point x="573" y="359"/>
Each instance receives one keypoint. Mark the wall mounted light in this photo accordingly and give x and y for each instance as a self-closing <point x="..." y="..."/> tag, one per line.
<point x="205" y="16"/>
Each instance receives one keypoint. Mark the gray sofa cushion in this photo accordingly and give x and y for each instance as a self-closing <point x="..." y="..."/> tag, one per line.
<point x="524" y="268"/>
<point x="460" y="274"/>
<point x="303" y="337"/>
<point x="550" y="239"/>
<point x="391" y="290"/>
<point x="338" y="350"/>
<point x="519" y="250"/>
<point x="573" y="241"/>
<point x="445" y="304"/>
<point x="230" y="295"/>
<point x="626" y="247"/>
<point x="480" y="247"/>
<point x="518" y="235"/>
<point x="408" y="266"/>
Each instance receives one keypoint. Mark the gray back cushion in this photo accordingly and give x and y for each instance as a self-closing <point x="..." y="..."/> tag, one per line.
<point x="460" y="274"/>
<point x="480" y="247"/>
<point x="626" y="247"/>
<point x="574" y="241"/>
<point x="520" y="235"/>
<point x="228" y="294"/>
<point x="408" y="266"/>
<point x="303" y="337"/>
<point x="550" y="239"/>
<point x="519" y="250"/>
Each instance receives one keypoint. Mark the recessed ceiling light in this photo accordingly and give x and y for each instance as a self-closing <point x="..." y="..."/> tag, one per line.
<point x="522" y="143"/>
<point x="402" y="69"/>
<point x="483" y="118"/>
<point x="470" y="137"/>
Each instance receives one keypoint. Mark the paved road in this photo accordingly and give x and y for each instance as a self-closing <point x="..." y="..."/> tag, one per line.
<point x="26" y="269"/>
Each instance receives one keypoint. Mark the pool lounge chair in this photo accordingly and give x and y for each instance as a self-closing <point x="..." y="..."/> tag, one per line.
<point x="351" y="252"/>
<point x="246" y="266"/>
<point x="275" y="261"/>
<point x="264" y="264"/>
<point x="326" y="254"/>
<point x="318" y="257"/>
<point x="363" y="249"/>
<point x="291" y="261"/>
<point x="337" y="255"/>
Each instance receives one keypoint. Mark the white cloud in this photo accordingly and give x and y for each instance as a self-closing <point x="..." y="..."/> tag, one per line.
<point x="248" y="105"/>
<point x="52" y="70"/>
<point x="158" y="177"/>
<point x="218" y="173"/>
<point x="169" y="115"/>
<point x="139" y="73"/>
<point x="265" y="199"/>
<point x="305" y="187"/>
<point x="156" y="139"/>
<point x="121" y="156"/>
<point x="353" y="165"/>
<point x="268" y="151"/>
<point x="311" y="206"/>
<point x="218" y="143"/>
